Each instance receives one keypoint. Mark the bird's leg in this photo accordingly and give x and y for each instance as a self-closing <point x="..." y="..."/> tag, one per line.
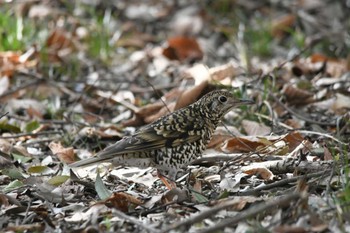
<point x="168" y="183"/>
<point x="188" y="179"/>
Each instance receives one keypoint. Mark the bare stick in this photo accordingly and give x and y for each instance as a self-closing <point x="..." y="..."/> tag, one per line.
<point x="31" y="134"/>
<point x="283" y="182"/>
<point x="254" y="210"/>
<point x="136" y="222"/>
<point x="203" y="215"/>
<point x="297" y="114"/>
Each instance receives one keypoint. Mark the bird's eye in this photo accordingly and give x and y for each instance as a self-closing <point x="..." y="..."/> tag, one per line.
<point x="222" y="99"/>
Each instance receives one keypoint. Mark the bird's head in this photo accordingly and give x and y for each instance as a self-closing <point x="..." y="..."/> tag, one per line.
<point x="216" y="104"/>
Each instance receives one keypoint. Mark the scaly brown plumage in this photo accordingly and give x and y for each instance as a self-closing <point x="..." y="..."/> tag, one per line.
<point x="173" y="141"/>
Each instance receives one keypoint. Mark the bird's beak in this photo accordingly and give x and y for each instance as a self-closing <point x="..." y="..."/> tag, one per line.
<point x="241" y="102"/>
<point x="246" y="101"/>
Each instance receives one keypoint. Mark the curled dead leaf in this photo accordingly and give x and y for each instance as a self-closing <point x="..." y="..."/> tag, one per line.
<point x="281" y="25"/>
<point x="182" y="49"/>
<point x="191" y="95"/>
<point x="262" y="172"/>
<point x="65" y="155"/>
<point x="122" y="201"/>
<point x="297" y="96"/>
<point x="277" y="144"/>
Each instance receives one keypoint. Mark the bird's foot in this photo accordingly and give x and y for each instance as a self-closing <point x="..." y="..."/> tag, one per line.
<point x="170" y="184"/>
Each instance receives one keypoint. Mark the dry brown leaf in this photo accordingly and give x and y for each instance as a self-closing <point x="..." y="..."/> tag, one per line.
<point x="282" y="24"/>
<point x="60" y="44"/>
<point x="162" y="112"/>
<point x="316" y="63"/>
<point x="294" y="123"/>
<point x="254" y="128"/>
<point x="182" y="49"/>
<point x="4" y="202"/>
<point x="59" y="39"/>
<point x="297" y="96"/>
<point x="65" y="155"/>
<point x="277" y="144"/>
<point x="142" y="113"/>
<point x="222" y="72"/>
<point x="192" y="95"/>
<point x="263" y="172"/>
<point x="152" y="112"/>
<point x="290" y="229"/>
<point x="240" y="144"/>
<point x="11" y="61"/>
<point x="293" y="139"/>
<point x="241" y="202"/>
<point x="217" y="140"/>
<point x="327" y="154"/>
<point x="122" y="201"/>
<point x="221" y="134"/>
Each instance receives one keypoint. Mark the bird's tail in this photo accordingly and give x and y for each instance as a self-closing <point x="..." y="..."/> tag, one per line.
<point x="89" y="162"/>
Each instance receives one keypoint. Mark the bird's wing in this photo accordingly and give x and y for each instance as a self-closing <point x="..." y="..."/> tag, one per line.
<point x="165" y="132"/>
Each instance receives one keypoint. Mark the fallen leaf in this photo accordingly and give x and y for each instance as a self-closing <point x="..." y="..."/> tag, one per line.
<point x="263" y="172"/>
<point x="176" y="195"/>
<point x="192" y="95"/>
<point x="254" y="128"/>
<point x="58" y="180"/>
<point x="122" y="201"/>
<point x="65" y="155"/>
<point x="297" y="96"/>
<point x="277" y="144"/>
<point x="101" y="188"/>
<point x="183" y="49"/>
<point x="281" y="25"/>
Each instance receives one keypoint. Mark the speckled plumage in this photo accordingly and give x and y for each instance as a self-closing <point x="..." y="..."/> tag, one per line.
<point x="173" y="141"/>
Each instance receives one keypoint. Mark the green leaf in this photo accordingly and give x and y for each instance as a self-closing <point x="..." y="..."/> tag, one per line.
<point x="199" y="197"/>
<point x="101" y="189"/>
<point x="4" y="126"/>
<point x="20" y="158"/>
<point x="12" y="172"/>
<point x="224" y="194"/>
<point x="32" y="126"/>
<point x="40" y="169"/>
<point x="58" y="180"/>
<point x="13" y="185"/>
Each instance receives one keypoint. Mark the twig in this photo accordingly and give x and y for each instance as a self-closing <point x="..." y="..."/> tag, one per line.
<point x="135" y="221"/>
<point x="283" y="182"/>
<point x="254" y="210"/>
<point x="302" y="131"/>
<point x="4" y="114"/>
<point x="322" y="134"/>
<point x="24" y="86"/>
<point x="297" y="114"/>
<point x="202" y="215"/>
<point x="31" y="134"/>
<point x="160" y="98"/>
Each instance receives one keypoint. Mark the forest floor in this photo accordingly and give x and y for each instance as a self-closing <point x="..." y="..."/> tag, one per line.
<point x="76" y="76"/>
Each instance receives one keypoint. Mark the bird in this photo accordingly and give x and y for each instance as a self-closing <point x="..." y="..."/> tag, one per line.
<point x="173" y="141"/>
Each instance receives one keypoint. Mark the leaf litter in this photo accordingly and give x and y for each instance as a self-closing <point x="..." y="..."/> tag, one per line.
<point x="96" y="72"/>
